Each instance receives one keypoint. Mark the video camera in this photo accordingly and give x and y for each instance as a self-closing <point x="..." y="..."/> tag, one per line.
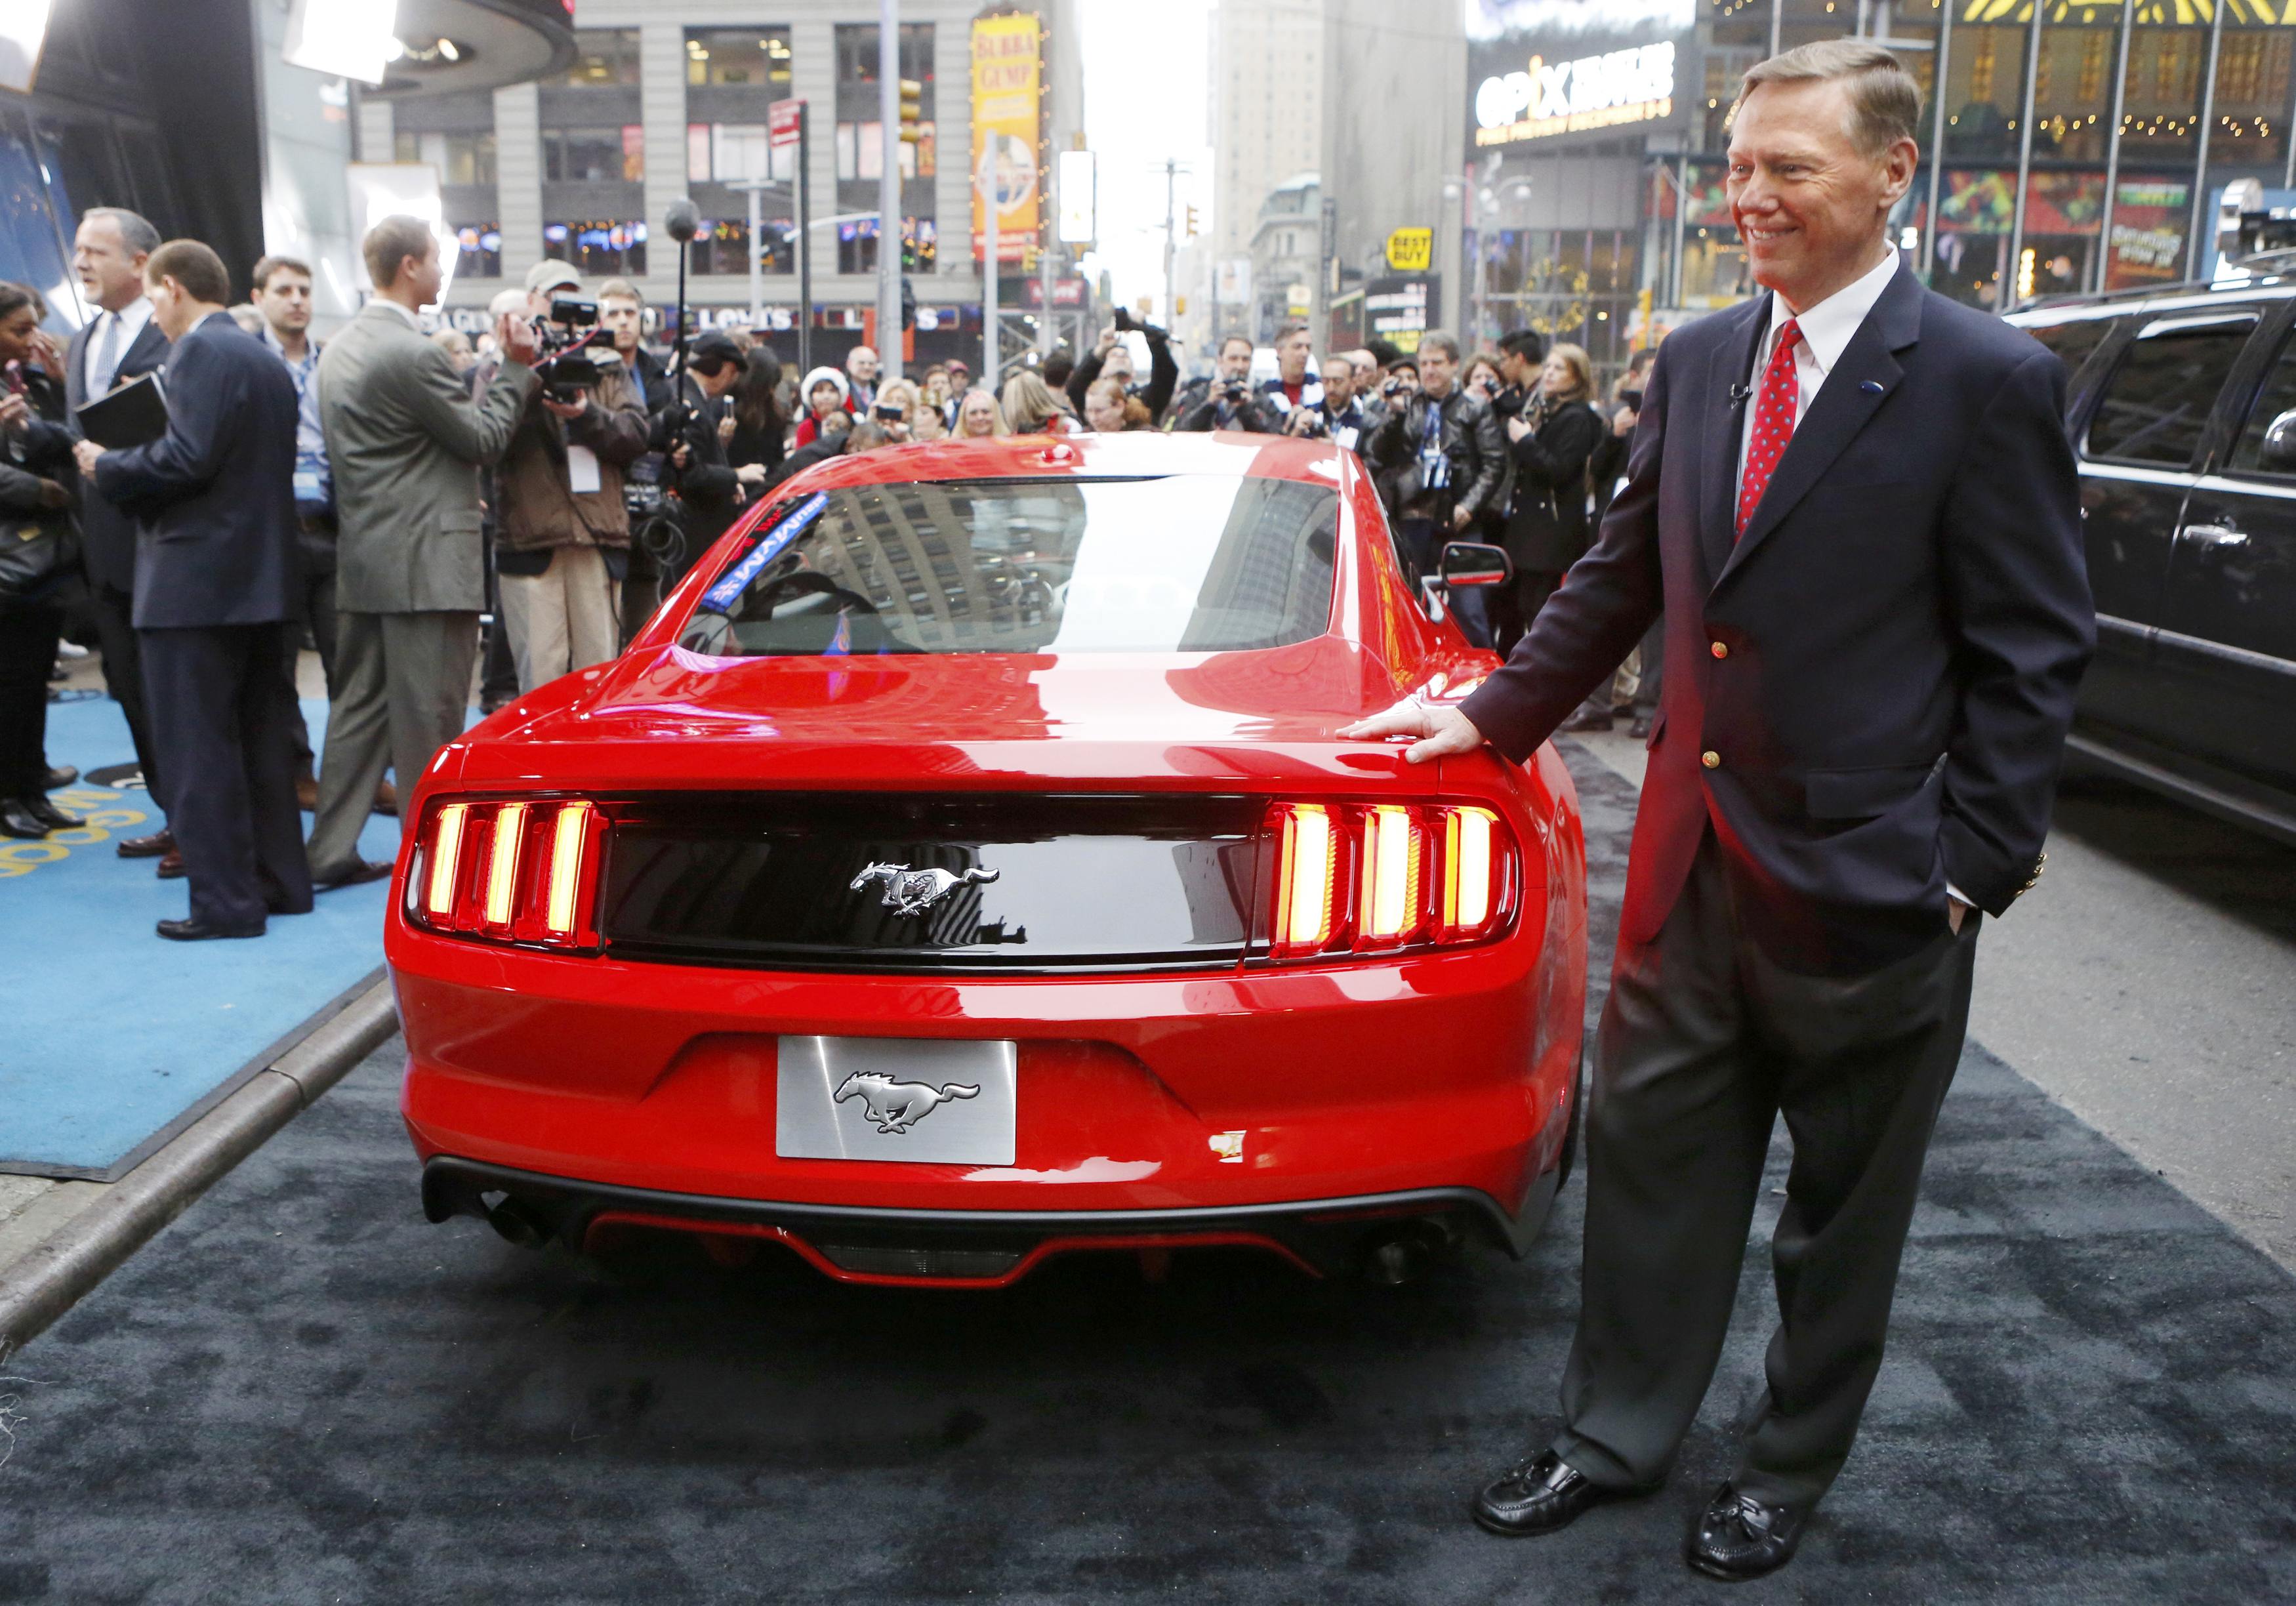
<point x="568" y="336"/>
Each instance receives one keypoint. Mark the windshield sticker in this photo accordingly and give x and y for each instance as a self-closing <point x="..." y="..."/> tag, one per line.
<point x="735" y="580"/>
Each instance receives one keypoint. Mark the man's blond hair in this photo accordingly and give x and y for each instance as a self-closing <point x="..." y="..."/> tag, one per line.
<point x="1885" y="103"/>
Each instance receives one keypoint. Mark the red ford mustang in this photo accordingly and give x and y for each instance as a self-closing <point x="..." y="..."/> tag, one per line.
<point x="961" y="869"/>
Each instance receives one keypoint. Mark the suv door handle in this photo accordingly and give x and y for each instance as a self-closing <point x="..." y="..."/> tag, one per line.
<point x="2214" y="535"/>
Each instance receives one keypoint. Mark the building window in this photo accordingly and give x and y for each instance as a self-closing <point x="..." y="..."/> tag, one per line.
<point x="603" y="58"/>
<point x="861" y="152"/>
<point x="860" y="147"/>
<point x="480" y="256"/>
<point x="602" y="247"/>
<point x="733" y="153"/>
<point x="721" y="247"/>
<point x="856" y="53"/>
<point x="593" y="155"/>
<point x="757" y="57"/>
<point x="856" y="245"/>
<point x="459" y="158"/>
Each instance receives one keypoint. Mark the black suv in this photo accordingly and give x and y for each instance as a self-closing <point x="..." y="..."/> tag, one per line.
<point x="2182" y="406"/>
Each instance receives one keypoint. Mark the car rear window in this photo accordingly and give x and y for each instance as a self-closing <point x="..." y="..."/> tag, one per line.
<point x="2157" y="402"/>
<point x="1181" y="562"/>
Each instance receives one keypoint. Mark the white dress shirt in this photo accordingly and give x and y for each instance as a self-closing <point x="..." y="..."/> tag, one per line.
<point x="132" y="318"/>
<point x="413" y="319"/>
<point x="1826" y="329"/>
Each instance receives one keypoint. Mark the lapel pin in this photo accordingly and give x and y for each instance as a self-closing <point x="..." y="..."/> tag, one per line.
<point x="1872" y="387"/>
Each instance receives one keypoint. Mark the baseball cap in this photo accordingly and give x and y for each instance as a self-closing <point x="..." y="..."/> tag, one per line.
<point x="549" y="274"/>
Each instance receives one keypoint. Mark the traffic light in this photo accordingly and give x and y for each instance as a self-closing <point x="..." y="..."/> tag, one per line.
<point x="908" y="303"/>
<point x="1191" y="220"/>
<point x="913" y="110"/>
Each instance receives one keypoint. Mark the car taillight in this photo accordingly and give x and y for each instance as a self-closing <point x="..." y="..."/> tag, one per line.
<point x="1374" y="878"/>
<point x="521" y="871"/>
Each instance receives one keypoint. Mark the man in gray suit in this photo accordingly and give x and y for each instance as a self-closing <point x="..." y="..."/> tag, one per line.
<point x="406" y="440"/>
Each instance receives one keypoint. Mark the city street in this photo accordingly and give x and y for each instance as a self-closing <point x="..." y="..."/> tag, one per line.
<point x="300" y="1391"/>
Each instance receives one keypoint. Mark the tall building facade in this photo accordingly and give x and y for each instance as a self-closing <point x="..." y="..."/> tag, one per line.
<point x="2067" y="147"/>
<point x="1266" y="105"/>
<point x="667" y="101"/>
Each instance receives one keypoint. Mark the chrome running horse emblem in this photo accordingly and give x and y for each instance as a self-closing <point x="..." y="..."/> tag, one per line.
<point x="894" y="1107"/>
<point x="913" y="891"/>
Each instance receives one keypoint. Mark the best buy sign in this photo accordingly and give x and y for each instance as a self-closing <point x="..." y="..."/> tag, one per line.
<point x="1409" y="251"/>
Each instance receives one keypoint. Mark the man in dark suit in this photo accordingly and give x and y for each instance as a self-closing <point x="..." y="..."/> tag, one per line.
<point x="1855" y="503"/>
<point x="216" y="582"/>
<point x="120" y="343"/>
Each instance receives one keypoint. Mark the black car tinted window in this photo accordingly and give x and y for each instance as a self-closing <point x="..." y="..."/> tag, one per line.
<point x="2073" y="341"/>
<point x="2275" y="396"/>
<point x="1178" y="563"/>
<point x="2157" y="402"/>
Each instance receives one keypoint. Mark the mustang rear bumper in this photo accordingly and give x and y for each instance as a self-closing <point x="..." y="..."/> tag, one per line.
<point x="971" y="1249"/>
<point x="1257" y="1103"/>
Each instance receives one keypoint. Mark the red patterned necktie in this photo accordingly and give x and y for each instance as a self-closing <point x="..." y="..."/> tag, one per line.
<point x="1774" y="423"/>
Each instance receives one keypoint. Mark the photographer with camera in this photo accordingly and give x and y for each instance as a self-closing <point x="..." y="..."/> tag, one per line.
<point x="1112" y="359"/>
<point x="1227" y="400"/>
<point x="1296" y="386"/>
<point x="1439" y="455"/>
<point x="710" y="489"/>
<point x="561" y="548"/>
<point x="1339" y="416"/>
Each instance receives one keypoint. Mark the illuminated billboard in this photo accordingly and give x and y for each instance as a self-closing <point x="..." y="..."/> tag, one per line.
<point x="1619" y="87"/>
<point x="1007" y="108"/>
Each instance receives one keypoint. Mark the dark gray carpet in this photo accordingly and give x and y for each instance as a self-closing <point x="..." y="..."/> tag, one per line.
<point x="302" y="1393"/>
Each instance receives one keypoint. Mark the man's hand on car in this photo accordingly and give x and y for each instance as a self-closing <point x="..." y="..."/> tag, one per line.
<point x="1441" y="731"/>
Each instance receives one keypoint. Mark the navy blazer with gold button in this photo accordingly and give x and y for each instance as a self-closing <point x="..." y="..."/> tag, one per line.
<point x="1867" y="694"/>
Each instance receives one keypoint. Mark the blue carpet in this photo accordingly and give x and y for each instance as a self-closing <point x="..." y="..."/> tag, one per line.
<point x="112" y="1036"/>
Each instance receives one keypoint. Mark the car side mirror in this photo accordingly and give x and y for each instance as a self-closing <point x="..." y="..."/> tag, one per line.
<point x="2279" y="450"/>
<point x="1472" y="564"/>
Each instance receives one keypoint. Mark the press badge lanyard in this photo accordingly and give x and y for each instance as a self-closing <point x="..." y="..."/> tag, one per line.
<point x="1434" y="467"/>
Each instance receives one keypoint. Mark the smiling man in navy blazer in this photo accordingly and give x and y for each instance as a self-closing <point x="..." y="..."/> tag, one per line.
<point x="1854" y="502"/>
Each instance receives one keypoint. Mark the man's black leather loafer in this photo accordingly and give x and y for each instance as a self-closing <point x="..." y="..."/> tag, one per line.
<point x="1740" y="1537"/>
<point x="194" y="931"/>
<point x="1541" y="1495"/>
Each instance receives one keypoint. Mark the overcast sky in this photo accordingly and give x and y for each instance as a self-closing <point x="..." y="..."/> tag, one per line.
<point x="1145" y="78"/>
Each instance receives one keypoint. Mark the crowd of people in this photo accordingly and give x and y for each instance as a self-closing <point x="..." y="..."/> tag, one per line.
<point x="381" y="497"/>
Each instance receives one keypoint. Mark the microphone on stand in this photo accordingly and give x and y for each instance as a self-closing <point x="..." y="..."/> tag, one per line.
<point x="682" y="222"/>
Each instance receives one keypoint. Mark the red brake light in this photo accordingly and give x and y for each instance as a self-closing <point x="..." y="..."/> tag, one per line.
<point x="1372" y="878"/>
<point x="514" y="870"/>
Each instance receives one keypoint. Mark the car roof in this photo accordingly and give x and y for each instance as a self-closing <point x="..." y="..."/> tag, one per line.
<point x="2235" y="286"/>
<point x="1136" y="454"/>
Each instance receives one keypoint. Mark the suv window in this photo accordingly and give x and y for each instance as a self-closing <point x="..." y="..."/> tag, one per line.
<point x="2072" y="340"/>
<point x="2157" y="402"/>
<point x="2277" y="394"/>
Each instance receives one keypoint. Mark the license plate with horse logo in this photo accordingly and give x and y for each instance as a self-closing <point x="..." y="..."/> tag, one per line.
<point x="895" y="1098"/>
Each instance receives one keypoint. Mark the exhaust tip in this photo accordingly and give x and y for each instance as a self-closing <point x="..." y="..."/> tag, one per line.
<point x="517" y="1222"/>
<point x="1389" y="1256"/>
